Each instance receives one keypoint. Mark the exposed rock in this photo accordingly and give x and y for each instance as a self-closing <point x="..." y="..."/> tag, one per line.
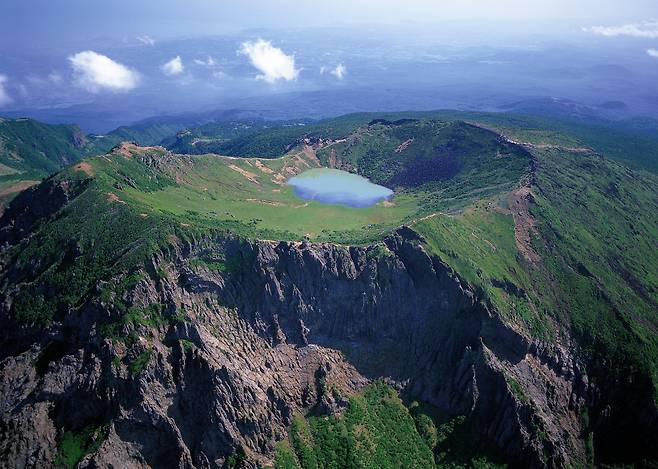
<point x="295" y="326"/>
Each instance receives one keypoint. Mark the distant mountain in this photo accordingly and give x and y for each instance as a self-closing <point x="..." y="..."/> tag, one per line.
<point x="160" y="309"/>
<point x="28" y="145"/>
<point x="31" y="150"/>
<point x="633" y="142"/>
<point x="154" y="130"/>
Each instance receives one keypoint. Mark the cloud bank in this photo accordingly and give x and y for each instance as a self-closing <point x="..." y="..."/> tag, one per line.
<point x="4" y="96"/>
<point x="653" y="52"/>
<point x="174" y="66"/>
<point x="95" y="72"/>
<point x="645" y="29"/>
<point x="271" y="61"/>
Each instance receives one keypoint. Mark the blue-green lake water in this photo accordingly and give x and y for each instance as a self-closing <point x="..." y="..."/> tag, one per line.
<point x="333" y="186"/>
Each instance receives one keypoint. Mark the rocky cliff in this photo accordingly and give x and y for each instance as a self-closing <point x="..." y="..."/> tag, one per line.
<point x="228" y="355"/>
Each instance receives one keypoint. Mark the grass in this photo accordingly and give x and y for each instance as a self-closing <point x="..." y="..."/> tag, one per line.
<point x="249" y="197"/>
<point x="285" y="456"/>
<point x="626" y="141"/>
<point x="588" y="211"/>
<point x="480" y="245"/>
<point x="599" y="223"/>
<point x="595" y="226"/>
<point x="134" y="318"/>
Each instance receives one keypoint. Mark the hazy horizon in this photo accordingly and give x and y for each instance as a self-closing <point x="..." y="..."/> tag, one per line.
<point x="114" y="63"/>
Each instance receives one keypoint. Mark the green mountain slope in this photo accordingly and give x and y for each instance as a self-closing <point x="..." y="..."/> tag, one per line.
<point x="28" y="145"/>
<point x="31" y="150"/>
<point x="143" y="134"/>
<point x="629" y="142"/>
<point x="551" y="239"/>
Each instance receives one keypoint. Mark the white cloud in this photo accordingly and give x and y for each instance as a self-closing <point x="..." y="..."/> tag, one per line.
<point x="174" y="66"/>
<point x="339" y="71"/>
<point x="96" y="72"/>
<point x="645" y="29"/>
<point x="210" y="62"/>
<point x="653" y="52"/>
<point x="4" y="97"/>
<point x="271" y="61"/>
<point x="147" y="40"/>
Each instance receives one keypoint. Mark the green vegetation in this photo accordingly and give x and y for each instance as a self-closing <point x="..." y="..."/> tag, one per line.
<point x="480" y="244"/>
<point x="585" y="212"/>
<point x="620" y="141"/>
<point x="378" y="251"/>
<point x="258" y="138"/>
<point x="285" y="456"/>
<point x="222" y="264"/>
<point x="28" y="146"/>
<point x="629" y="142"/>
<point x="133" y="319"/>
<point x="74" y="254"/>
<point x="244" y="196"/>
<point x="413" y="153"/>
<point x="249" y="196"/>
<point x="143" y="134"/>
<point x="593" y="229"/>
<point x="576" y="248"/>
<point x="187" y="344"/>
<point x="73" y="446"/>
<point x="139" y="364"/>
<point x="31" y="150"/>
<point x="516" y="389"/>
<point x="598" y="223"/>
<point x="116" y="362"/>
<point x="375" y="431"/>
<point x="236" y="460"/>
<point x="234" y="138"/>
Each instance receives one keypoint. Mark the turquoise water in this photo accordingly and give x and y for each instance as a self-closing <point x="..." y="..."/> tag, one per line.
<point x="333" y="186"/>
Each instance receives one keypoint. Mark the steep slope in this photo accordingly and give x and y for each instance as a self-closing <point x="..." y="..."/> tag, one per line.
<point x="29" y="145"/>
<point x="142" y="323"/>
<point x="31" y="150"/>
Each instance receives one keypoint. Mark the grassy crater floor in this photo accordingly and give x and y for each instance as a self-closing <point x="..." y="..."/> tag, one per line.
<point x="246" y="195"/>
<point x="431" y="166"/>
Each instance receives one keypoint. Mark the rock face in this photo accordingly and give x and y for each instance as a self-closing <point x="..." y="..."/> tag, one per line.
<point x="262" y="339"/>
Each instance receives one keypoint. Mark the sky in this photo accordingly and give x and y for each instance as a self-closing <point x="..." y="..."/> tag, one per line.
<point x="32" y="21"/>
<point x="180" y="55"/>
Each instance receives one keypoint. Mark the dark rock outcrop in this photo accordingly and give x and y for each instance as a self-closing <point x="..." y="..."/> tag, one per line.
<point x="261" y="341"/>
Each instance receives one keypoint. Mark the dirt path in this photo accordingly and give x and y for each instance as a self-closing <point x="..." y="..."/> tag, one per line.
<point x="250" y="176"/>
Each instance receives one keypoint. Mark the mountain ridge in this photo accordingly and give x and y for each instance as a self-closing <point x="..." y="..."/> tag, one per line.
<point x="503" y="291"/>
